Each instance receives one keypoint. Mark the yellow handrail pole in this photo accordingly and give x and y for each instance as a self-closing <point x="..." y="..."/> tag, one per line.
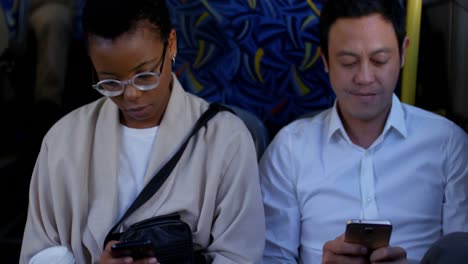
<point x="410" y="69"/>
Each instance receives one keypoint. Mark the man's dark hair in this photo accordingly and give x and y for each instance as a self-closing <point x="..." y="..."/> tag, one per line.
<point x="390" y="10"/>
<point x="112" y="18"/>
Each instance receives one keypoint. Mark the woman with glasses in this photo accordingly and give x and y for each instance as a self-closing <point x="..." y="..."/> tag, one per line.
<point x="95" y="161"/>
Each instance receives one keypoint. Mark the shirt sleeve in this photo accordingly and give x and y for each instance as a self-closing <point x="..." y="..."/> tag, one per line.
<point x="238" y="231"/>
<point x="282" y="212"/>
<point x="455" y="207"/>
<point x="53" y="255"/>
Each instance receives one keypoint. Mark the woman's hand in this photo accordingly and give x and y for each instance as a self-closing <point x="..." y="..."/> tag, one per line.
<point x="106" y="257"/>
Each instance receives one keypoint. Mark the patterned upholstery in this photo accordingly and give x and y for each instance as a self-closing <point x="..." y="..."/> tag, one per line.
<point x="9" y="16"/>
<point x="16" y="14"/>
<point x="260" y="55"/>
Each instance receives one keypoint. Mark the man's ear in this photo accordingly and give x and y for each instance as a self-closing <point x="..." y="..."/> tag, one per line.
<point x="404" y="48"/>
<point x="325" y="63"/>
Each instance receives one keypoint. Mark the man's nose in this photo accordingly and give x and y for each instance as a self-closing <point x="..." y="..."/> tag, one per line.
<point x="365" y="74"/>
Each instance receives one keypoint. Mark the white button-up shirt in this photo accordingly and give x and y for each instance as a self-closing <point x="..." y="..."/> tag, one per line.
<point x="314" y="179"/>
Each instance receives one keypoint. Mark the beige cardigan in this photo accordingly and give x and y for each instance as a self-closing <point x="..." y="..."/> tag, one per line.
<point x="215" y="185"/>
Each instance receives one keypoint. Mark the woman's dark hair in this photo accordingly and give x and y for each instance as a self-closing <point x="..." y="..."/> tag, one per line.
<point x="391" y="10"/>
<point x="111" y="18"/>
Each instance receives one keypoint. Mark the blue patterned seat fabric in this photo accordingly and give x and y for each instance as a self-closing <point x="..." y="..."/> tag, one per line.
<point x="259" y="55"/>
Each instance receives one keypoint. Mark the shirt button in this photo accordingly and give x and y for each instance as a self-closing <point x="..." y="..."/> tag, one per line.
<point x="369" y="200"/>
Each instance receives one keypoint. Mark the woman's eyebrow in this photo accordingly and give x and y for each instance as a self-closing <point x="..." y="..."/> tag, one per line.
<point x="131" y="70"/>
<point x="143" y="64"/>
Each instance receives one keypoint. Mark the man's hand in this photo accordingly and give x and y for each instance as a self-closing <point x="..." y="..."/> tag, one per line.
<point x="394" y="255"/>
<point x="338" y="251"/>
<point x="106" y="257"/>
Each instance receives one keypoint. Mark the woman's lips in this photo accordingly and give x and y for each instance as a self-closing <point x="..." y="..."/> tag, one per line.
<point x="136" y="109"/>
<point x="139" y="110"/>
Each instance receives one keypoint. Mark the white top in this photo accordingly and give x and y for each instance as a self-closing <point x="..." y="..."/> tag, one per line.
<point x="134" y="156"/>
<point x="314" y="179"/>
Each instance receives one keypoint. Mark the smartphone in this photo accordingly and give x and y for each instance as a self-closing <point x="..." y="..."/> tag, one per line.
<point x="372" y="234"/>
<point x="136" y="249"/>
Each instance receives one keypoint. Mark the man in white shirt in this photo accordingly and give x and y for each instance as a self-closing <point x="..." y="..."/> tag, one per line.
<point x="368" y="157"/>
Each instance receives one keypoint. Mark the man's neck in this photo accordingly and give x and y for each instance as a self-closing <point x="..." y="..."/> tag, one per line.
<point x="364" y="132"/>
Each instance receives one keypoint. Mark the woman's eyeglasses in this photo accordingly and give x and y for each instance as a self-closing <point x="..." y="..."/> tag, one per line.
<point x="142" y="81"/>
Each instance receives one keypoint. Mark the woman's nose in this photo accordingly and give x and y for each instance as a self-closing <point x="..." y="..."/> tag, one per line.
<point x="131" y="92"/>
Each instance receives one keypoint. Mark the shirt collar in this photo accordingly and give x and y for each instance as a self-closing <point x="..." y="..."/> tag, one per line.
<point x="396" y="119"/>
<point x="335" y="123"/>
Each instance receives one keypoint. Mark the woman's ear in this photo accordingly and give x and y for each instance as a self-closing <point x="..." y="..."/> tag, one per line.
<point x="172" y="42"/>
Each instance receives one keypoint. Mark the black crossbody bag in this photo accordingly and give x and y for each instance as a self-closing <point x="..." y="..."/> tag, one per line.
<point x="171" y="237"/>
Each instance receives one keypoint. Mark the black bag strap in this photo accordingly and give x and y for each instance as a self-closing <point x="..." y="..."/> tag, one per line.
<point x="157" y="181"/>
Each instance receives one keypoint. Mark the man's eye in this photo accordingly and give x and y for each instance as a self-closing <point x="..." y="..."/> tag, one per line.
<point x="349" y="64"/>
<point x="379" y="62"/>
